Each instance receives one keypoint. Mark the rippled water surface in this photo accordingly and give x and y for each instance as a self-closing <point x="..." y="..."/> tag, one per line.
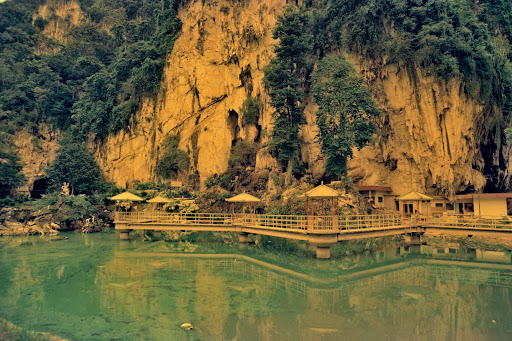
<point x="96" y="287"/>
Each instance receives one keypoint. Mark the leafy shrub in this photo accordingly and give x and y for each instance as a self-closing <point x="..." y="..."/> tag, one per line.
<point x="243" y="154"/>
<point x="251" y="110"/>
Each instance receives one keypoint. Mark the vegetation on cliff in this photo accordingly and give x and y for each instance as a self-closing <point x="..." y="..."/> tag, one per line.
<point x="92" y="81"/>
<point x="346" y="112"/>
<point x="285" y="77"/>
<point x="95" y="79"/>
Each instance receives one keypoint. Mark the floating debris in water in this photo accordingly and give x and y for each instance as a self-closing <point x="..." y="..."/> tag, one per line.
<point x="187" y="326"/>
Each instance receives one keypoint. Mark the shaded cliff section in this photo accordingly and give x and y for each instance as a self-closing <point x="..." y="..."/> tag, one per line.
<point x="434" y="137"/>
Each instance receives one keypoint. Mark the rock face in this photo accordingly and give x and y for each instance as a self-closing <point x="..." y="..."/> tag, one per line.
<point x="216" y="63"/>
<point x="430" y="135"/>
<point x="36" y="151"/>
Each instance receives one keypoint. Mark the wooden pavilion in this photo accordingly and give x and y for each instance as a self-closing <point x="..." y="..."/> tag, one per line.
<point x="415" y="204"/>
<point x="322" y="197"/>
<point x="242" y="203"/>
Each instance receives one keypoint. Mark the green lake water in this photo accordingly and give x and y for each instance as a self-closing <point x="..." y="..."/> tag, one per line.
<point x="96" y="287"/>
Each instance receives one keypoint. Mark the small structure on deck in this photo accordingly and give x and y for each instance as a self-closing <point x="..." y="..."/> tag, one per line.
<point x="415" y="203"/>
<point x="125" y="196"/>
<point x="243" y="209"/>
<point x="322" y="196"/>
<point x="159" y="201"/>
<point x="243" y="202"/>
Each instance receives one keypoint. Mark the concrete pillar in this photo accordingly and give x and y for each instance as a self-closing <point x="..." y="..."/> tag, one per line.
<point x="323" y="252"/>
<point x="243" y="237"/>
<point x="124" y="234"/>
<point x="413" y="238"/>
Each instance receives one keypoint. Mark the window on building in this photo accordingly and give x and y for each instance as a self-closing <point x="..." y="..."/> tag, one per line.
<point x="380" y="199"/>
<point x="439" y="204"/>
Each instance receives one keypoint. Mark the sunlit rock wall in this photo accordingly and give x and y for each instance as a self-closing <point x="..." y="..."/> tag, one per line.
<point x="430" y="137"/>
<point x="216" y="63"/>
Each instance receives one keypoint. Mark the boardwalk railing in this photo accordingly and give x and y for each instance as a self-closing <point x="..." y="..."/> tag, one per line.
<point x="282" y="222"/>
<point x="471" y="222"/>
<point x="165" y="218"/>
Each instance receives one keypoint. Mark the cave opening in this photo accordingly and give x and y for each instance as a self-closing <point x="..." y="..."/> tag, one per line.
<point x="39" y="188"/>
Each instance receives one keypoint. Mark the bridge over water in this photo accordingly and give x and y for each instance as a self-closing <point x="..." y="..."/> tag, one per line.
<point x="321" y="231"/>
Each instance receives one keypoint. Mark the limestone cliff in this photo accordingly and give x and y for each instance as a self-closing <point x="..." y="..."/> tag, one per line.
<point x="431" y="136"/>
<point x="216" y="63"/>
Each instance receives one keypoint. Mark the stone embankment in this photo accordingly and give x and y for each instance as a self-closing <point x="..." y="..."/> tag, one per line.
<point x="25" y="221"/>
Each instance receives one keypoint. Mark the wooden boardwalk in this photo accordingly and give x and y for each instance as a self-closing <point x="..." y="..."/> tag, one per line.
<point x="321" y="231"/>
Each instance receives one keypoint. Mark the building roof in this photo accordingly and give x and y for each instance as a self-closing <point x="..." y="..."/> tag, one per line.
<point x="483" y="196"/>
<point x="159" y="200"/>
<point x="126" y="196"/>
<point x="413" y="195"/>
<point x="244" y="197"/>
<point x="374" y="188"/>
<point x="322" y="192"/>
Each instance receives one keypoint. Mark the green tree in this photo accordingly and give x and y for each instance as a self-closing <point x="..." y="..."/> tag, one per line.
<point x="75" y="165"/>
<point x="345" y="114"/>
<point x="173" y="160"/>
<point x="286" y="77"/>
<point x="251" y="110"/>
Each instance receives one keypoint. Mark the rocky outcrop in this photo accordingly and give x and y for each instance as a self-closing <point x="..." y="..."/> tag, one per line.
<point x="36" y="150"/>
<point x="48" y="220"/>
<point x="61" y="16"/>
<point x="431" y="135"/>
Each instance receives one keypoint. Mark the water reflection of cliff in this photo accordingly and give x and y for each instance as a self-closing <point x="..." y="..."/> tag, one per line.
<point x="434" y="296"/>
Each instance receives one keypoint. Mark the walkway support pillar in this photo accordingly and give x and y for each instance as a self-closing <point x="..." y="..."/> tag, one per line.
<point x="124" y="234"/>
<point x="413" y="238"/>
<point x="323" y="252"/>
<point x="243" y="237"/>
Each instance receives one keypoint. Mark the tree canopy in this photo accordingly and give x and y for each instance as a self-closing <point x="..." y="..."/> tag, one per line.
<point x="286" y="78"/>
<point x="345" y="114"/>
<point x="75" y="165"/>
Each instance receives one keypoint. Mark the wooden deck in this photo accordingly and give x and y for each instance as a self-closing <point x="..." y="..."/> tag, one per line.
<point x="321" y="231"/>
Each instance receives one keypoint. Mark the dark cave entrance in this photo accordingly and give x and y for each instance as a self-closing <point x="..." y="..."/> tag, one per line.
<point x="39" y="188"/>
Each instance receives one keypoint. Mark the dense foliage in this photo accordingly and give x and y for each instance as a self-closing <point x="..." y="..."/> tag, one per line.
<point x="173" y="160"/>
<point x="251" y="110"/>
<point x="76" y="166"/>
<point x="93" y="80"/>
<point x="345" y="114"/>
<point x="285" y="76"/>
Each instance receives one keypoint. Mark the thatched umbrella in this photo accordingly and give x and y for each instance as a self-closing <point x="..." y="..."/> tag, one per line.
<point x="246" y="200"/>
<point x="158" y="200"/>
<point x="126" y="196"/>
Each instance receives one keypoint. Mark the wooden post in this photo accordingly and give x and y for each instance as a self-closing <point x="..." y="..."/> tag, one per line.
<point x="307" y="213"/>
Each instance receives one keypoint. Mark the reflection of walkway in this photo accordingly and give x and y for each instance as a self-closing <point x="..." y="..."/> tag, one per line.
<point x="418" y="272"/>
